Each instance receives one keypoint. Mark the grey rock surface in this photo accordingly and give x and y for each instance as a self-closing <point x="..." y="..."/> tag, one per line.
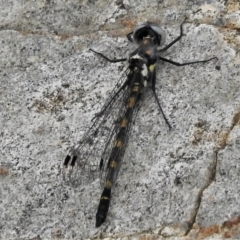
<point x="182" y="184"/>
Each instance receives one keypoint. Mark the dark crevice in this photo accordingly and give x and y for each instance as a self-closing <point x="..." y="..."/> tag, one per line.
<point x="236" y="120"/>
<point x="211" y="178"/>
<point x="213" y="169"/>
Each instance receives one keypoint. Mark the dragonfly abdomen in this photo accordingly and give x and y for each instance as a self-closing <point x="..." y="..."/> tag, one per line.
<point x="118" y="151"/>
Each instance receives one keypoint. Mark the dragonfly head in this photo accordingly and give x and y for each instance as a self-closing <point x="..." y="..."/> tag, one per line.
<point x="150" y="32"/>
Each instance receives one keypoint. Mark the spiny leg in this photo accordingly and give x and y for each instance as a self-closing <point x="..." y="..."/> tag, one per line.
<point x="184" y="64"/>
<point x="176" y="40"/>
<point x="109" y="60"/>
<point x="129" y="37"/>
<point x="157" y="100"/>
<point x="177" y="64"/>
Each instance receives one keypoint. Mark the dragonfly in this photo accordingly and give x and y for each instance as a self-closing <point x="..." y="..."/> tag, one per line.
<point x="102" y="147"/>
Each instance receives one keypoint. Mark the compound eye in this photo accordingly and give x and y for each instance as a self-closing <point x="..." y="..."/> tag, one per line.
<point x="151" y="29"/>
<point x="159" y="31"/>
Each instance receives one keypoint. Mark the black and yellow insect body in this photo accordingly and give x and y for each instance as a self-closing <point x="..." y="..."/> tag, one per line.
<point x="104" y="144"/>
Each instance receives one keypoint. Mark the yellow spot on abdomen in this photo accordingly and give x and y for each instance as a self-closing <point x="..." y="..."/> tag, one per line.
<point x="105" y="198"/>
<point x="135" y="89"/>
<point x="108" y="184"/>
<point x="113" y="164"/>
<point x="118" y="143"/>
<point x="131" y="102"/>
<point x="124" y="123"/>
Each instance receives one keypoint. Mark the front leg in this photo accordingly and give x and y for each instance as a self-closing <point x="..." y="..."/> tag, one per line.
<point x="176" y="40"/>
<point x="109" y="60"/>
<point x="184" y="64"/>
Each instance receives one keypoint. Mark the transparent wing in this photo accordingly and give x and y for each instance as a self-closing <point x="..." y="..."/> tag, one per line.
<point x="113" y="155"/>
<point x="86" y="159"/>
<point x="114" y="150"/>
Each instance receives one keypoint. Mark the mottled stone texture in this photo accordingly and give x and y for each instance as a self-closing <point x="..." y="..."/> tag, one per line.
<point x="182" y="184"/>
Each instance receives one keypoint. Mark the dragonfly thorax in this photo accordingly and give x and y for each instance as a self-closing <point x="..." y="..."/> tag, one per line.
<point x="145" y="53"/>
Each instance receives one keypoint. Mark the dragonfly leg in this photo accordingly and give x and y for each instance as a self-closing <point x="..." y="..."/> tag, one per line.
<point x="129" y="37"/>
<point x="187" y="63"/>
<point x="176" y="40"/>
<point x="157" y="100"/>
<point x="109" y="60"/>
